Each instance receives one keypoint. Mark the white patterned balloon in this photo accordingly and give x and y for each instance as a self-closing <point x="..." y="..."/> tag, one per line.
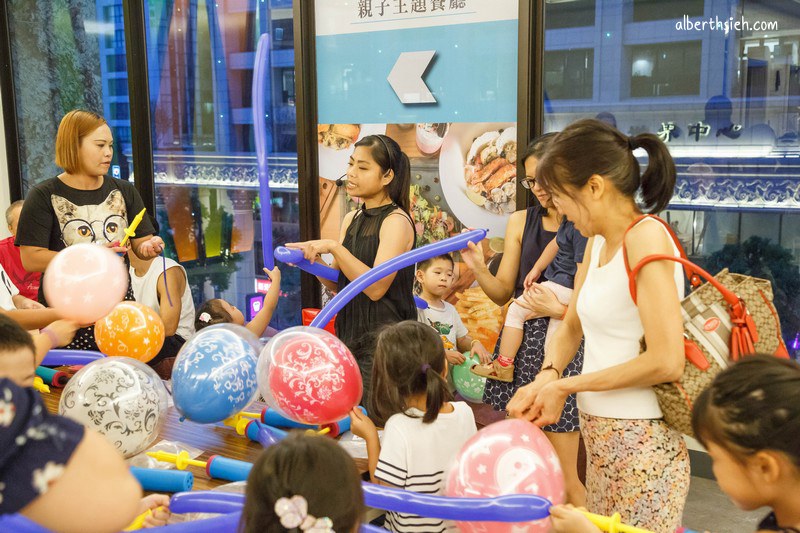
<point x="119" y="397"/>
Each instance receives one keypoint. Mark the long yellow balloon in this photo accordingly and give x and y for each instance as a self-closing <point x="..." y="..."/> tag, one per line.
<point x="130" y="231"/>
<point x="612" y="524"/>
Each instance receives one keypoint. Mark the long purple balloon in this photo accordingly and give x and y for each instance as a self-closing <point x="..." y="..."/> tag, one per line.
<point x="260" y="75"/>
<point x="409" y="258"/>
<point x="70" y="357"/>
<point x="510" y="508"/>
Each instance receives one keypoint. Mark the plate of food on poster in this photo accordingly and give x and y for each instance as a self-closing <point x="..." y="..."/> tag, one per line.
<point x="478" y="169"/>
<point x="336" y="143"/>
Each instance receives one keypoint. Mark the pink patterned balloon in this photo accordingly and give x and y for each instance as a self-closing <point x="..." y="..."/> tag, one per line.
<point x="309" y="376"/>
<point x="85" y="281"/>
<point x="508" y="457"/>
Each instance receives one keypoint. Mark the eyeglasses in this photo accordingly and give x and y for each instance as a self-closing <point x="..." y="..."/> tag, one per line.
<point x="529" y="183"/>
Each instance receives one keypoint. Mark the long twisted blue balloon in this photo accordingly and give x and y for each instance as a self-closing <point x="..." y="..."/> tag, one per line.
<point x="409" y="258"/>
<point x="261" y="75"/>
<point x="511" y="508"/>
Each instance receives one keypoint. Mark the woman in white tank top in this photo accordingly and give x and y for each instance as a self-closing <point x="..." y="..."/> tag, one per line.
<point x="636" y="465"/>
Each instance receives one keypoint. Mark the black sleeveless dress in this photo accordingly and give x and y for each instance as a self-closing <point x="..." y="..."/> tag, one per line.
<point x="358" y="323"/>
<point x="530" y="356"/>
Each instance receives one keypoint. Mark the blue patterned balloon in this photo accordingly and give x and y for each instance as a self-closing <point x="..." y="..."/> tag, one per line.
<point x="214" y="376"/>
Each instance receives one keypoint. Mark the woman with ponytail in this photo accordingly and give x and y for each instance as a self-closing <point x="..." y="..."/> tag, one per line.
<point x="379" y="174"/>
<point x="424" y="430"/>
<point x="636" y="464"/>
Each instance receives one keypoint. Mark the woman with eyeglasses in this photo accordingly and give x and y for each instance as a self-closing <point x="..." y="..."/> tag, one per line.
<point x="527" y="235"/>
<point x="379" y="174"/>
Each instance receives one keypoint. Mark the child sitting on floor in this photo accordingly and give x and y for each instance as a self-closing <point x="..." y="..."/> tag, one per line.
<point x="218" y="311"/>
<point x="304" y="482"/>
<point x="424" y="430"/>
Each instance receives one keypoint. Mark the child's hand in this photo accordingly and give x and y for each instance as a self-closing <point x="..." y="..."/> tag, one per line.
<point x="361" y="425"/>
<point x="151" y="247"/>
<point x="274" y="275"/>
<point x="158" y="505"/>
<point x="567" y="519"/>
<point x="64" y="331"/>
<point x="454" y="358"/>
<point x="478" y="349"/>
<point x="532" y="277"/>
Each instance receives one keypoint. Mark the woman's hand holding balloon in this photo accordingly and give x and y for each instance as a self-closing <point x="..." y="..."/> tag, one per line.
<point x="472" y="255"/>
<point x="313" y="249"/>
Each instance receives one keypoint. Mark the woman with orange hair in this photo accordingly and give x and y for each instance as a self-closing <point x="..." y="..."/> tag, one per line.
<point x="82" y="205"/>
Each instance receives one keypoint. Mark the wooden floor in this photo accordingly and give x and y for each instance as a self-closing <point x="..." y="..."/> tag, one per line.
<point x="213" y="439"/>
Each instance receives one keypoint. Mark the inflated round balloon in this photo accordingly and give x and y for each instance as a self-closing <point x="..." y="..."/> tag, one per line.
<point x="85" y="281"/>
<point x="507" y="457"/>
<point x="214" y="376"/>
<point x="469" y="385"/>
<point x="119" y="397"/>
<point x="132" y="330"/>
<point x="309" y="376"/>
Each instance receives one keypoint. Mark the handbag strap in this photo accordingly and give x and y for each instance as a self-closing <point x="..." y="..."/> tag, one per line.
<point x="744" y="333"/>
<point x="690" y="268"/>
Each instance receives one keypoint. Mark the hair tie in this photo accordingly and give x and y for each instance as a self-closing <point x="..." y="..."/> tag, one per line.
<point x="293" y="513"/>
<point x="632" y="144"/>
<point x="204" y="318"/>
<point x="424" y="369"/>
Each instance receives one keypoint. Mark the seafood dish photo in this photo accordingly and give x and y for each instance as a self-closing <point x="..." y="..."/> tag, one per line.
<point x="490" y="171"/>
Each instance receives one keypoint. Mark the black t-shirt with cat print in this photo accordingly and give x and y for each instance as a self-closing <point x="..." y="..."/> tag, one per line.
<point x="56" y="215"/>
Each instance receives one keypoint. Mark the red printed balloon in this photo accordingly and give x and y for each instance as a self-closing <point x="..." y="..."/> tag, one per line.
<point x="508" y="457"/>
<point x="309" y="376"/>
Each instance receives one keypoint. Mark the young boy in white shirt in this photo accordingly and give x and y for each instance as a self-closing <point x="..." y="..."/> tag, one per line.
<point x="435" y="277"/>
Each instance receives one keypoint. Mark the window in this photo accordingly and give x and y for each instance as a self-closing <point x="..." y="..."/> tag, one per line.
<point x="727" y="106"/>
<point x="570" y="14"/>
<point x="569" y="74"/>
<point x="665" y="69"/>
<point x="200" y="64"/>
<point x="645" y="10"/>
<point x="57" y="69"/>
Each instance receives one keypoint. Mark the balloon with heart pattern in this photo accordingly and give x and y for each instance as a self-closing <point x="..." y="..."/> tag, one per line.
<point x="309" y="376"/>
<point x="131" y="330"/>
<point x="507" y="457"/>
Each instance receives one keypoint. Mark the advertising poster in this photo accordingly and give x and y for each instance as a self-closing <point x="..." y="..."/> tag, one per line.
<point x="440" y="78"/>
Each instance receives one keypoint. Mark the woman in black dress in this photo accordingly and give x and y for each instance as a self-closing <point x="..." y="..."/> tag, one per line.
<point x="527" y="234"/>
<point x="382" y="228"/>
